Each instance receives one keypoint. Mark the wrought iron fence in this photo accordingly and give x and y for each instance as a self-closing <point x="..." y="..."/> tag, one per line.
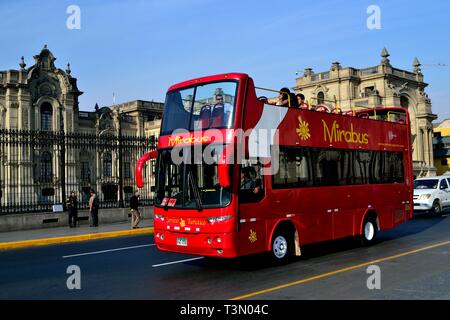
<point x="40" y="168"/>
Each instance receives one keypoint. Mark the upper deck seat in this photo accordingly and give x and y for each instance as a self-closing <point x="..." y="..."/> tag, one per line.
<point x="322" y="108"/>
<point x="205" y="116"/>
<point x="336" y="110"/>
<point x="349" y="113"/>
<point x="363" y="115"/>
<point x="217" y="116"/>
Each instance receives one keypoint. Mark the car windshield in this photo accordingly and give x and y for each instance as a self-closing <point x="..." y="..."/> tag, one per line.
<point x="426" y="184"/>
<point x="200" y="107"/>
<point x="188" y="178"/>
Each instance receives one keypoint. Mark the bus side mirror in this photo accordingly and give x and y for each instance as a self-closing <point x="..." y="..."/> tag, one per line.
<point x="223" y="166"/>
<point x="140" y="165"/>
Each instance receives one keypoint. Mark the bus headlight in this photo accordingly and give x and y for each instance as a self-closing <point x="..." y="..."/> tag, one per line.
<point x="213" y="220"/>
<point x="424" y="196"/>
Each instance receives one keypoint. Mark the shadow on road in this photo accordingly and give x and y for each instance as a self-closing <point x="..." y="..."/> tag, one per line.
<point x="418" y="224"/>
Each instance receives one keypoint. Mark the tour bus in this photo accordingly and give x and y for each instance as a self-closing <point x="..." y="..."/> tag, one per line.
<point x="236" y="176"/>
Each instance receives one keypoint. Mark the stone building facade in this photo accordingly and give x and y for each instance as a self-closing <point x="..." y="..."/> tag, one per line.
<point x="37" y="105"/>
<point x="380" y="85"/>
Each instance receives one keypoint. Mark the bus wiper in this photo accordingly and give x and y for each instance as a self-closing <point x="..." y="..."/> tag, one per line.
<point x="195" y="191"/>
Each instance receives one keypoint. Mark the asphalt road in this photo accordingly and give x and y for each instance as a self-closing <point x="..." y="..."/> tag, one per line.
<point x="132" y="268"/>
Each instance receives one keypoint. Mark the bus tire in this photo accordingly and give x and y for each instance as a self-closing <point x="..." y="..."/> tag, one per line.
<point x="436" y="209"/>
<point x="369" y="230"/>
<point x="282" y="246"/>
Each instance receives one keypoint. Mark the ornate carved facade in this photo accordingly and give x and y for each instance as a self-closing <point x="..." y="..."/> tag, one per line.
<point x="381" y="85"/>
<point x="40" y="103"/>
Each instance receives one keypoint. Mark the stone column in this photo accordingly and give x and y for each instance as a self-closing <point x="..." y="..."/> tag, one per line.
<point x="422" y="147"/>
<point x="430" y="147"/>
<point x="26" y="192"/>
<point x="11" y="166"/>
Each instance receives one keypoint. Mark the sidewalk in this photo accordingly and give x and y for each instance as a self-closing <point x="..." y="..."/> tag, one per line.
<point x="47" y="236"/>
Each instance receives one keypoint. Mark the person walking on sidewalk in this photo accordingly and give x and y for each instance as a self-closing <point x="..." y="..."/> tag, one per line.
<point x="72" y="208"/>
<point x="93" y="208"/>
<point x="134" y="209"/>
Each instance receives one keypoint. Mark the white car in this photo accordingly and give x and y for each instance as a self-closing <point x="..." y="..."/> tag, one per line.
<point x="432" y="194"/>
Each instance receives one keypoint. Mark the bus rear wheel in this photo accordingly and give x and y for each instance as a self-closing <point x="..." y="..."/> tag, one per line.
<point x="369" y="231"/>
<point x="282" y="247"/>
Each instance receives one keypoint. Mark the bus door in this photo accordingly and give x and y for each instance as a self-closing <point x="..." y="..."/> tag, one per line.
<point x="252" y="208"/>
<point x="393" y="174"/>
<point x="296" y="192"/>
<point x="332" y="172"/>
<point x="345" y="198"/>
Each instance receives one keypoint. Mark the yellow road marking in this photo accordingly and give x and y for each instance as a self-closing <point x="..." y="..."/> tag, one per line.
<point x="290" y="284"/>
<point x="77" y="238"/>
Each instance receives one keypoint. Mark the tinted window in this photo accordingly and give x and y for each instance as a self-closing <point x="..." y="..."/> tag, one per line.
<point x="307" y="167"/>
<point x="201" y="107"/>
<point x="426" y="184"/>
<point x="177" y="110"/>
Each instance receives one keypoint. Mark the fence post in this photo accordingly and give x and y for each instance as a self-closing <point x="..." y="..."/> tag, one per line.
<point x="121" y="204"/>
<point x="62" y="160"/>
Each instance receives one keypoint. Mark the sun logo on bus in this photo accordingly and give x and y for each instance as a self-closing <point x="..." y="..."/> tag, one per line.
<point x="182" y="223"/>
<point x="252" y="237"/>
<point x="303" y="129"/>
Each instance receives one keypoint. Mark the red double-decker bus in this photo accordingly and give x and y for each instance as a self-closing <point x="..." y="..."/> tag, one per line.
<point x="237" y="176"/>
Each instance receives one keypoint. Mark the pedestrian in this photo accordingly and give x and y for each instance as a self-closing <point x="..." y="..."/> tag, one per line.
<point x="72" y="208"/>
<point x="134" y="209"/>
<point x="93" y="208"/>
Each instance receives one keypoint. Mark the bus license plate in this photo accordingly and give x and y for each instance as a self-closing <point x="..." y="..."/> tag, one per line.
<point x="182" y="242"/>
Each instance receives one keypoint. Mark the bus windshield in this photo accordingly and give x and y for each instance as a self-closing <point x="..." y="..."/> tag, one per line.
<point x="188" y="178"/>
<point x="200" y="107"/>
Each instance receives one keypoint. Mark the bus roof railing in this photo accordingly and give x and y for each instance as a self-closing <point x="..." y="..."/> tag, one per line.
<point x="337" y="109"/>
<point x="278" y="91"/>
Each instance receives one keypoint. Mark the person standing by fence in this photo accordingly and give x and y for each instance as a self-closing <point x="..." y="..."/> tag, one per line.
<point x="72" y="208"/>
<point x="134" y="209"/>
<point x="93" y="208"/>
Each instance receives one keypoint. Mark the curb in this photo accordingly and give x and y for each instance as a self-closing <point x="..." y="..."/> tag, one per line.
<point x="69" y="239"/>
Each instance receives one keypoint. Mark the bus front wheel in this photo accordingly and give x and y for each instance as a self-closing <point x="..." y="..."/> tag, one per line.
<point x="282" y="247"/>
<point x="369" y="231"/>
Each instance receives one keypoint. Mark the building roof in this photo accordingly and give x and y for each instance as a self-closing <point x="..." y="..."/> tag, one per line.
<point x="443" y="124"/>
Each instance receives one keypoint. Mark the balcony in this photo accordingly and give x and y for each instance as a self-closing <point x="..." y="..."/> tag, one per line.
<point x="320" y="76"/>
<point x="368" y="71"/>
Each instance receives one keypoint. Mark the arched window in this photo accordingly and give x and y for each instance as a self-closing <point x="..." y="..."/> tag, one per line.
<point x="46" y="167"/>
<point x="320" y="98"/>
<point x="107" y="165"/>
<point x="46" y="116"/>
<point x="404" y="102"/>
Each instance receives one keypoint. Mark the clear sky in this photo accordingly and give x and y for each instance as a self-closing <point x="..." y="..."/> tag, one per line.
<point x="138" y="48"/>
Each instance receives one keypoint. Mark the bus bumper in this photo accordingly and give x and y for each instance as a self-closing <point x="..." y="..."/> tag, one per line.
<point x="222" y="245"/>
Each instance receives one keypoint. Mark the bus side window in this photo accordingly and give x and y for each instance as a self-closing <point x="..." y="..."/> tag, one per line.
<point x="251" y="187"/>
